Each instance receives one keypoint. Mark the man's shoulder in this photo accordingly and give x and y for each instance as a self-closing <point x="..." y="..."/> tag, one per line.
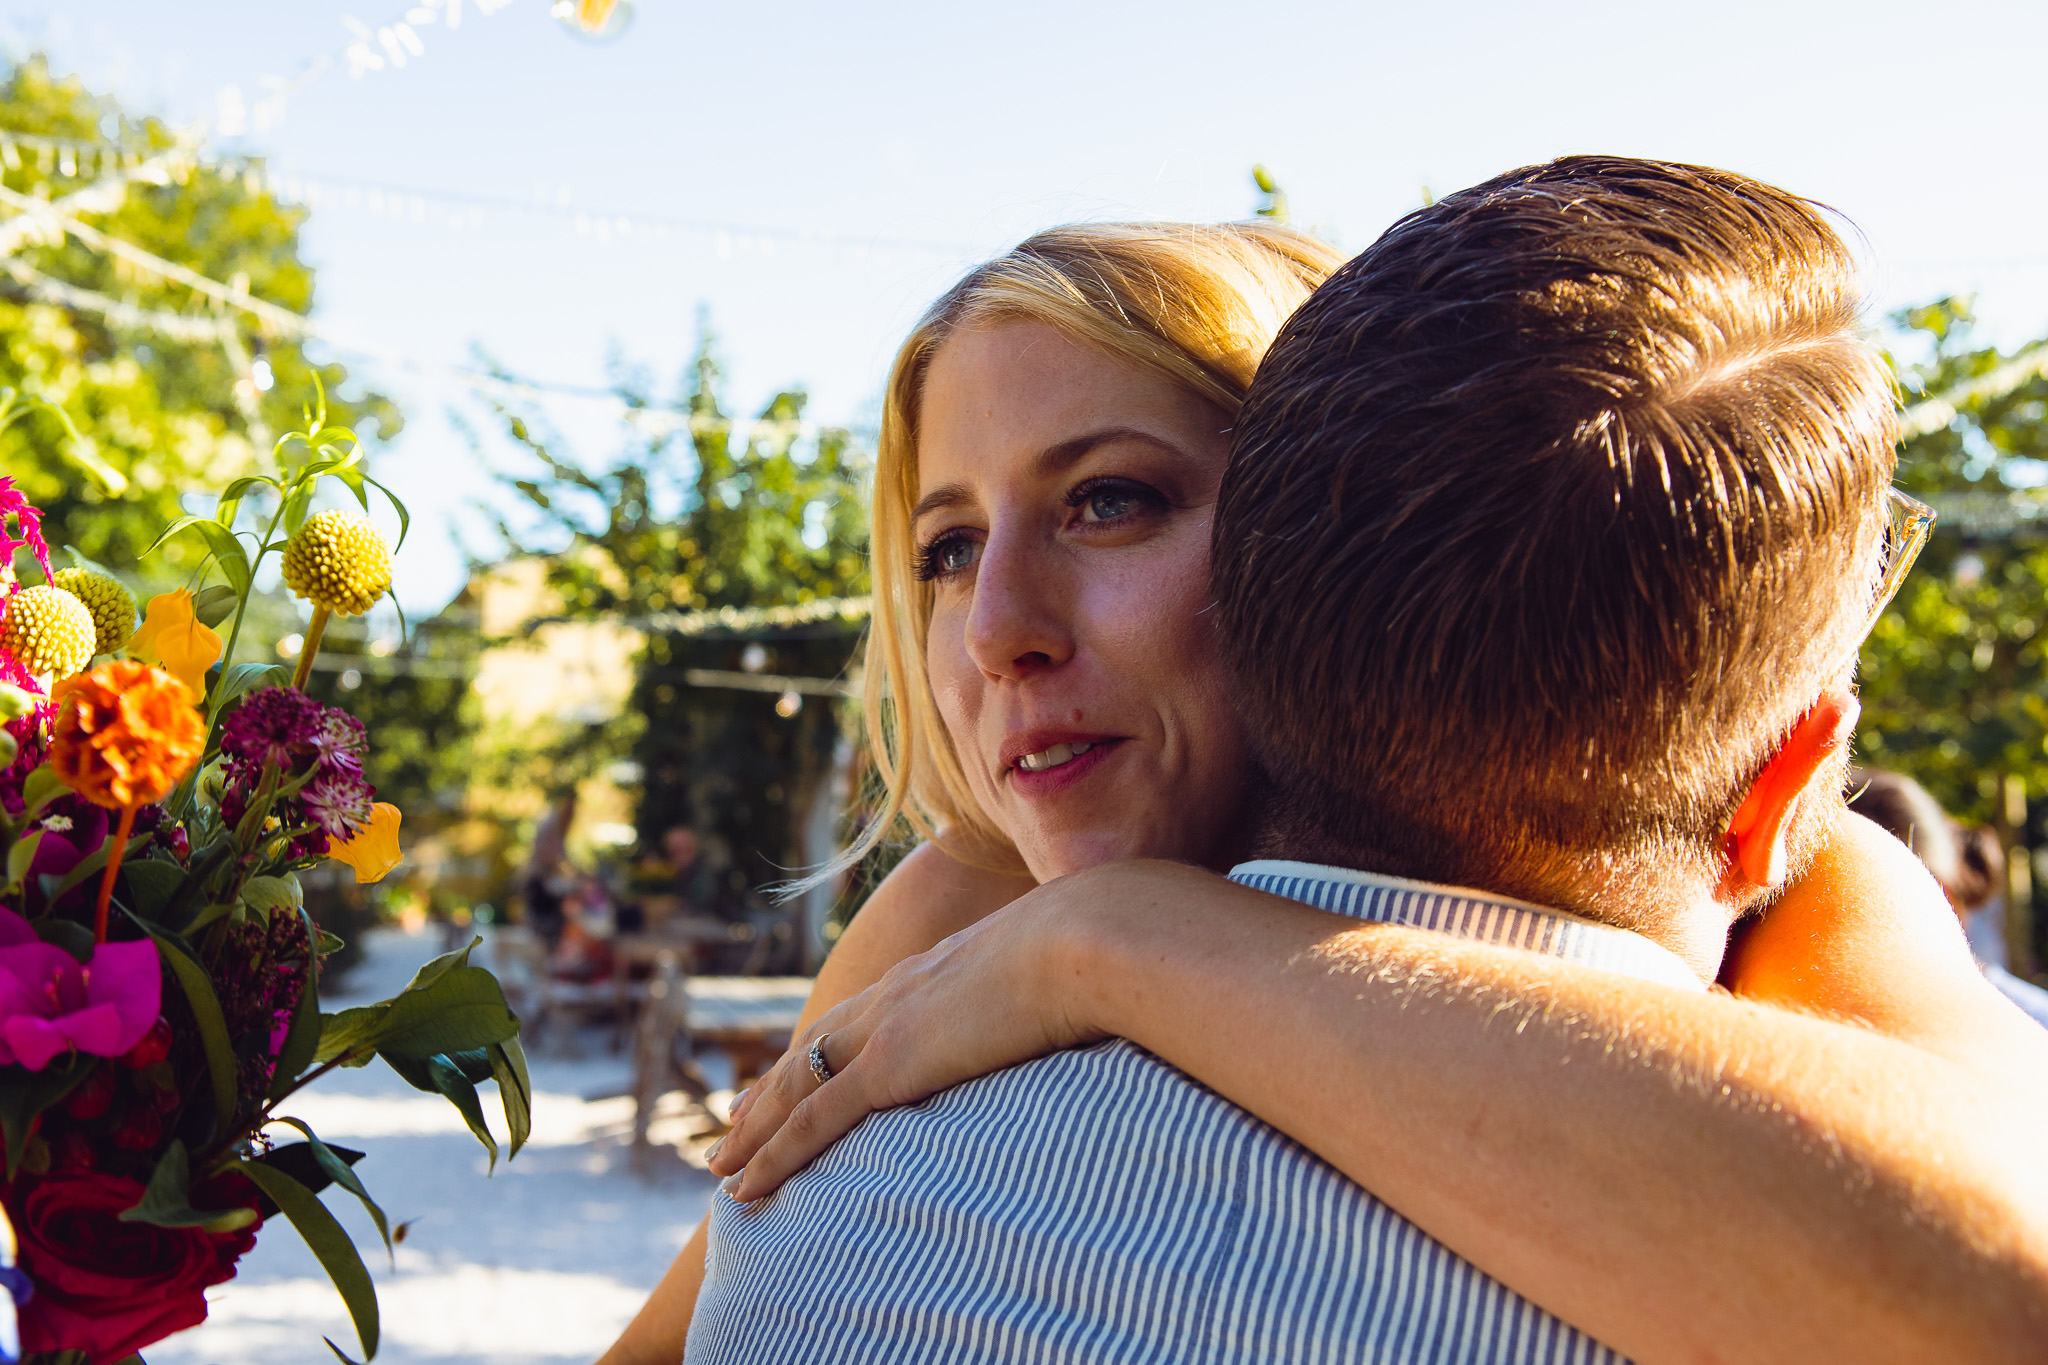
<point x="2021" y="992"/>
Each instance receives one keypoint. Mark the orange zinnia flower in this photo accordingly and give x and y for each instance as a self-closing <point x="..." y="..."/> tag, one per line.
<point x="125" y="734"/>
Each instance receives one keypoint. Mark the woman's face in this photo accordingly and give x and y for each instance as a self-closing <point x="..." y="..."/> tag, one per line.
<point x="1064" y="502"/>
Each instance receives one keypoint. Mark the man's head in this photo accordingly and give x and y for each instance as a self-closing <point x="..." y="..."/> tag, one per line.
<point x="1549" y="518"/>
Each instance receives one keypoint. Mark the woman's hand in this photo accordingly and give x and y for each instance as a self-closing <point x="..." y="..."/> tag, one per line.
<point x="988" y="997"/>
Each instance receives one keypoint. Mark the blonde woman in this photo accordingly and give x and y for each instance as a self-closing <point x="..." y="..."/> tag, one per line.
<point x="1636" y="1113"/>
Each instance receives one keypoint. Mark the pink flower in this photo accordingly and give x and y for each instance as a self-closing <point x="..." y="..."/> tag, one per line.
<point x="50" y="1003"/>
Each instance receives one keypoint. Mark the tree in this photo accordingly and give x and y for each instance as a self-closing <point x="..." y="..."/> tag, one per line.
<point x="1955" y="676"/>
<point x="169" y="391"/>
<point x="693" y="520"/>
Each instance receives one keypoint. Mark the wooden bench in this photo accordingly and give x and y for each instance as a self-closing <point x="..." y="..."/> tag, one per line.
<point x="749" y="1018"/>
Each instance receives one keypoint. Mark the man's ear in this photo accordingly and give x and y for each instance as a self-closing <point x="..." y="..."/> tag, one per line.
<point x="1759" y="836"/>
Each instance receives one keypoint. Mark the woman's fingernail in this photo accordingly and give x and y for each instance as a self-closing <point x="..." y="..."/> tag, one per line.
<point x="739" y="1103"/>
<point x="712" y="1153"/>
<point x="731" y="1184"/>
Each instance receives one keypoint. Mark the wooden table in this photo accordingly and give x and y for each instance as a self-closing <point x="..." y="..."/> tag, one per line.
<point x="749" y="1018"/>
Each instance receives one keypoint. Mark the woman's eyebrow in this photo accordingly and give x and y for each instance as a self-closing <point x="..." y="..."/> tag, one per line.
<point x="945" y="495"/>
<point x="1052" y="460"/>
<point x="1066" y="454"/>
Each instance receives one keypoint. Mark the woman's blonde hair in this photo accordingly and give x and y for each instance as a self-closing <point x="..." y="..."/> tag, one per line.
<point x="1196" y="303"/>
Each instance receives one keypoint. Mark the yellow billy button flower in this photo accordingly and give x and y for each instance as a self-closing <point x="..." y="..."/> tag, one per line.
<point x="173" y="636"/>
<point x="47" y="630"/>
<point x="372" y="850"/>
<point x="111" y="605"/>
<point x="338" y="562"/>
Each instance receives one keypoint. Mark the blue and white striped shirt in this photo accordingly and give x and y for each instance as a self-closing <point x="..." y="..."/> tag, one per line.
<point x="1100" y="1205"/>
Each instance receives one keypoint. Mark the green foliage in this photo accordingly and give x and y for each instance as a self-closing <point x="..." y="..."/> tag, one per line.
<point x="1955" y="676"/>
<point x="162" y="414"/>
<point x="691" y="520"/>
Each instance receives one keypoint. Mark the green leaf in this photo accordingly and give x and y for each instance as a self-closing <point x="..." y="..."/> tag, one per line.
<point x="78" y="558"/>
<point x="88" y="866"/>
<point x="434" y="970"/>
<point x="213" y="605"/>
<point x="231" y="497"/>
<point x="302" y="1037"/>
<point x="248" y="677"/>
<point x="151" y="884"/>
<point x="213" y="1028"/>
<point x="297" y="505"/>
<point x="296" y="1160"/>
<point x="68" y="934"/>
<point x="234" y="562"/>
<point x="404" y="517"/>
<point x="343" y="1175"/>
<point x="20" y="856"/>
<point x="168" y="1200"/>
<point x="352" y="479"/>
<point x="515" y="1089"/>
<point x="207" y="915"/>
<point x="24" y="1094"/>
<point x="350" y="1031"/>
<point x="464" y="1009"/>
<point x="41" y="788"/>
<point x="270" y="894"/>
<point x="461" y="1092"/>
<point x="338" y="1255"/>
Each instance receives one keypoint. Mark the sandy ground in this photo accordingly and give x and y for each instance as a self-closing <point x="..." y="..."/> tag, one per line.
<point x="539" y="1264"/>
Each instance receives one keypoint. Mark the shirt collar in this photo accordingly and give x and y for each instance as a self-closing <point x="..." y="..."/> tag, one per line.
<point x="1469" y="914"/>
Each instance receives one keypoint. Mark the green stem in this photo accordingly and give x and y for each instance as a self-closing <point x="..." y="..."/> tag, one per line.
<point x="270" y="1106"/>
<point x="227" y="657"/>
<point x="311" y="648"/>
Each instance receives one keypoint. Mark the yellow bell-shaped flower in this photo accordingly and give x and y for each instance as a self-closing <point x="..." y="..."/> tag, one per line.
<point x="172" y="636"/>
<point x="373" y="850"/>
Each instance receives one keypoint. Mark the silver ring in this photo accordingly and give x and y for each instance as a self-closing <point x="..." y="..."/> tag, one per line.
<point x="820" y="1068"/>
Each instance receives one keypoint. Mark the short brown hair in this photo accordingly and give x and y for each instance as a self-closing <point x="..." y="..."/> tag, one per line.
<point x="1547" y="516"/>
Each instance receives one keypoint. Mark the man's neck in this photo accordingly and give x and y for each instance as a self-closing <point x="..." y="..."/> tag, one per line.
<point x="1686" y="919"/>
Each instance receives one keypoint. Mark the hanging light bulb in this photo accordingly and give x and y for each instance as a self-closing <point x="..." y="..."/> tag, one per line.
<point x="597" y="20"/>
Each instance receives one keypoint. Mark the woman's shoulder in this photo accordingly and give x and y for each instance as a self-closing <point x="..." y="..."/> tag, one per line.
<point x="932" y="895"/>
<point x="928" y="897"/>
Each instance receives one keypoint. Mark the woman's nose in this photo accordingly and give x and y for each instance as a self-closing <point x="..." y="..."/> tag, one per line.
<point x="1019" y="623"/>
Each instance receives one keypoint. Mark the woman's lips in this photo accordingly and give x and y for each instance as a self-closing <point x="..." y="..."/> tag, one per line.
<point x="1047" y="781"/>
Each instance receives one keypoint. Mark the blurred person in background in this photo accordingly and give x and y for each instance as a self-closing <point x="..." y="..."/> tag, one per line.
<point x="547" y="878"/>
<point x="1966" y="860"/>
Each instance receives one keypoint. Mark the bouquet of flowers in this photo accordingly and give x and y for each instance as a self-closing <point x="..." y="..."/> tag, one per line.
<point x="159" y="973"/>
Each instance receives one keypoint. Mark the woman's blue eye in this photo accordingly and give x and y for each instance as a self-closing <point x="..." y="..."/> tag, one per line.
<point x="946" y="556"/>
<point x="1107" y="504"/>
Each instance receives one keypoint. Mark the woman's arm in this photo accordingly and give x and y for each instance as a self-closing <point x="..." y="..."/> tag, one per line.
<point x="1688" y="1176"/>
<point x="926" y="898"/>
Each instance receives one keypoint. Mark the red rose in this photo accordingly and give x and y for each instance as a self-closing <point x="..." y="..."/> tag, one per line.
<point x="110" y="1288"/>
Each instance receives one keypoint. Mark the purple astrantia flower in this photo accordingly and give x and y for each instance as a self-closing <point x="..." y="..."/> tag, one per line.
<point x="274" y="725"/>
<point x="305" y="739"/>
<point x="50" y="1003"/>
<point x="338" y="802"/>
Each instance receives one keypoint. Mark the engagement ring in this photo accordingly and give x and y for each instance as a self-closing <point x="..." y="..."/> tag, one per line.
<point x="820" y="1068"/>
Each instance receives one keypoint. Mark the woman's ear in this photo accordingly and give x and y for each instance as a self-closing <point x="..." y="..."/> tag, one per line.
<point x="1759" y="835"/>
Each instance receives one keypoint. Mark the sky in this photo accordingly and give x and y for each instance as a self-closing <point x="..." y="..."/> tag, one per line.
<point x="809" y="176"/>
